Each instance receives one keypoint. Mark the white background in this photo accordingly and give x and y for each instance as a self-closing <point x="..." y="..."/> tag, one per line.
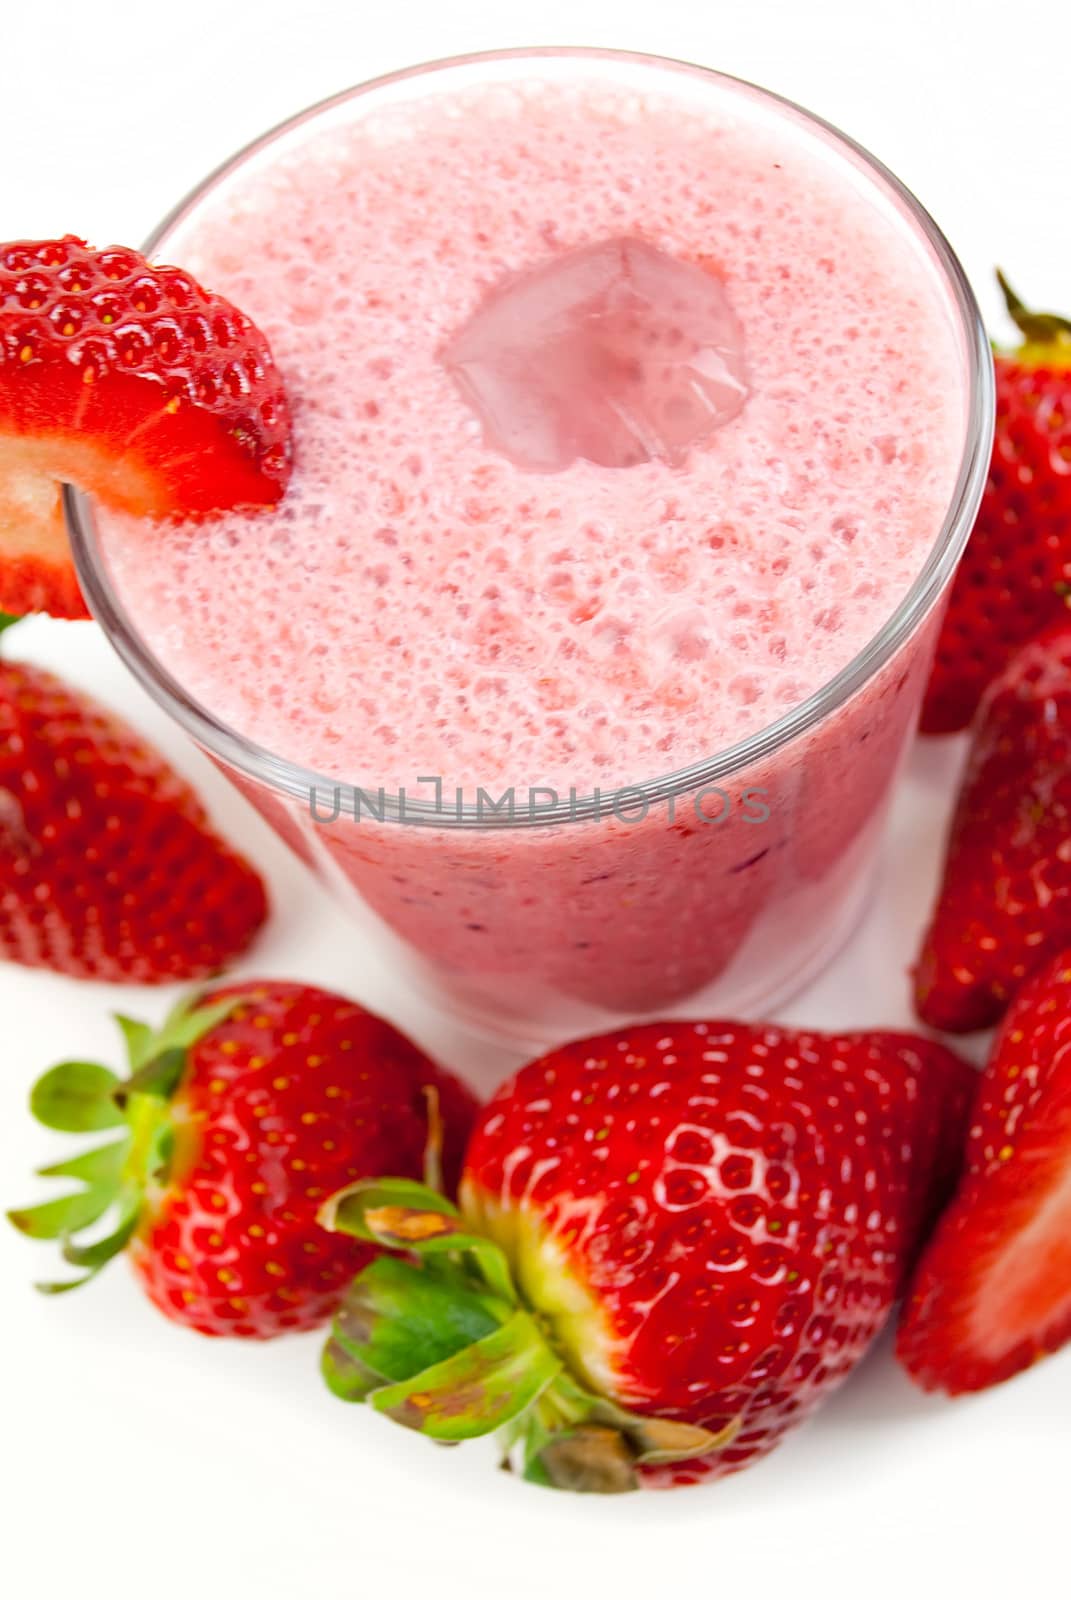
<point x="142" y="1460"/>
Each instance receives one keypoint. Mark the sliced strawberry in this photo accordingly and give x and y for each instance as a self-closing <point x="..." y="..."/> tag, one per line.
<point x="992" y="1293"/>
<point x="134" y="383"/>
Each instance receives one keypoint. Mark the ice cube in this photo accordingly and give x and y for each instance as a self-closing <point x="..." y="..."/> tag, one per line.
<point x="617" y="353"/>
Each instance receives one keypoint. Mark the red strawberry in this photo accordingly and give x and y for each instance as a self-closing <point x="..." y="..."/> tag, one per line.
<point x="992" y="1293"/>
<point x="132" y="382"/>
<point x="928" y="1058"/>
<point x="109" y="868"/>
<point x="673" y="1242"/>
<point x="241" y="1116"/>
<point x="1005" y="900"/>
<point x="1015" y="576"/>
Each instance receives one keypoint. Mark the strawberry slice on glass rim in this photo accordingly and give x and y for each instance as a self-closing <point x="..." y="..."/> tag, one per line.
<point x="135" y="384"/>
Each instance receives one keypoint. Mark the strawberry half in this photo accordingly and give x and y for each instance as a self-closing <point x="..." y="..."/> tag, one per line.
<point x="992" y="1293"/>
<point x="239" y="1117"/>
<point x="109" y="866"/>
<point x="137" y="385"/>
<point x="1015" y="576"/>
<point x="672" y="1243"/>
<point x="1005" y="900"/>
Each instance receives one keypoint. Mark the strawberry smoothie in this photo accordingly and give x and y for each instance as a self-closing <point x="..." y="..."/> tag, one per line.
<point x="629" y="406"/>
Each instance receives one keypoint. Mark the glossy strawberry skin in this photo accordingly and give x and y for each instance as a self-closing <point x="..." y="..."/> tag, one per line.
<point x="1015" y="575"/>
<point x="109" y="868"/>
<point x="295" y="1095"/>
<point x="134" y="383"/>
<point x="1004" y="905"/>
<point x="992" y="1292"/>
<point x="739" y="1205"/>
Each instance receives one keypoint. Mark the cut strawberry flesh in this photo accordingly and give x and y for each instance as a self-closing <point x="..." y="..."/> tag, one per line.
<point x="1024" y="1295"/>
<point x="133" y="383"/>
<point x="36" y="572"/>
<point x="992" y="1292"/>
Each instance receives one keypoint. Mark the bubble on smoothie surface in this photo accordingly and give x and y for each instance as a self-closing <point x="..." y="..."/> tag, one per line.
<point x="616" y="353"/>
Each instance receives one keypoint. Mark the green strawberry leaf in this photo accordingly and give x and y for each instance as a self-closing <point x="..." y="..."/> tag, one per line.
<point x="657" y="1439"/>
<point x="158" y="1058"/>
<point x="477" y="1390"/>
<point x="63" y="1287"/>
<point x="532" y="1434"/>
<point x="77" y="1097"/>
<point x="399" y="1214"/>
<point x="81" y="1096"/>
<point x="96" y="1255"/>
<point x="158" y="1076"/>
<point x="190" y="1021"/>
<point x="532" y="1468"/>
<point x="347" y="1378"/>
<point x="138" y="1037"/>
<point x="345" y="1211"/>
<point x="398" y="1319"/>
<point x="1042" y="327"/>
<point x="55" y="1219"/>
<point x="99" y="1166"/>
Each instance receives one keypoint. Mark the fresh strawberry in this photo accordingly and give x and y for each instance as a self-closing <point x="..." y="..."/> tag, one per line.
<point x="927" y="1058"/>
<point x="672" y="1243"/>
<point x="134" y="383"/>
<point x="1005" y="901"/>
<point x="109" y="868"/>
<point x="992" y="1293"/>
<point x="240" y="1117"/>
<point x="1015" y="576"/>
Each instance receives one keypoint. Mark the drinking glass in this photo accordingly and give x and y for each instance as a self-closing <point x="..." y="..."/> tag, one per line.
<point x="714" y="889"/>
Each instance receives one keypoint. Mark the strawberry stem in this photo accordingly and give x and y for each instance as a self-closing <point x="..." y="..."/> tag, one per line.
<point x="1037" y="327"/>
<point x="433" y="1144"/>
<point x="442" y="1342"/>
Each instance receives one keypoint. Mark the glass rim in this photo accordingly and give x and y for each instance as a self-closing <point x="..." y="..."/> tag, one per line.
<point x="301" y="783"/>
